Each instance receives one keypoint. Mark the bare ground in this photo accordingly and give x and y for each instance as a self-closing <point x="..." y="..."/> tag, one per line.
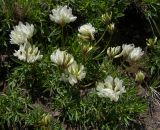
<point x="152" y="121"/>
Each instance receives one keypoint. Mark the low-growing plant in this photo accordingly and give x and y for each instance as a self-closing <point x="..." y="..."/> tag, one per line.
<point x="65" y="71"/>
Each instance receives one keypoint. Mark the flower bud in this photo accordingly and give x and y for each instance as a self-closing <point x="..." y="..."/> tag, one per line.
<point x="151" y="42"/>
<point x="113" y="51"/>
<point x="139" y="76"/>
<point x="111" y="28"/>
<point x="46" y="119"/>
<point x="106" y="18"/>
<point x="86" y="49"/>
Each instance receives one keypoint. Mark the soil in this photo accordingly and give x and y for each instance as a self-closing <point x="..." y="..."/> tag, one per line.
<point x="152" y="121"/>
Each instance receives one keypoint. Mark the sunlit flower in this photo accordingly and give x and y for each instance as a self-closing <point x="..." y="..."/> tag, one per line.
<point x="76" y="73"/>
<point x="126" y="49"/>
<point x="86" y="32"/>
<point x="135" y="54"/>
<point x="62" y="15"/>
<point x="111" y="88"/>
<point x="28" y="53"/>
<point x="21" y="33"/>
<point x="62" y="58"/>
<point x="113" y="51"/>
<point x="139" y="76"/>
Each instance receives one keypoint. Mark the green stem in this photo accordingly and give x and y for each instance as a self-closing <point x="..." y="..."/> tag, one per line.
<point x="101" y="37"/>
<point x="155" y="25"/>
<point x="149" y="19"/>
<point x="62" y="37"/>
<point x="109" y="40"/>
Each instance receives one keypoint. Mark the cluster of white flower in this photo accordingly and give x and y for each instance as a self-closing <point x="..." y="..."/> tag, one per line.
<point x="21" y="36"/>
<point x="111" y="88"/>
<point x="21" y="33"/>
<point x="62" y="15"/>
<point x="72" y="71"/>
<point x="28" y="53"/>
<point x="130" y="52"/>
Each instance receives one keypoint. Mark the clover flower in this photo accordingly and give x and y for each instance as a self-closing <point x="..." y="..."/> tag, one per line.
<point x="62" y="15"/>
<point x="86" y="32"/>
<point x="135" y="54"/>
<point x="62" y="58"/>
<point x="126" y="49"/>
<point x="111" y="88"/>
<point x="76" y="73"/>
<point x="21" y="33"/>
<point x="113" y="51"/>
<point x="28" y="53"/>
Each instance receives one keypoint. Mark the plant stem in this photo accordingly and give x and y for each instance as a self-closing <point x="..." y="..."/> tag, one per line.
<point x="62" y="37"/>
<point x="109" y="40"/>
<point x="101" y="37"/>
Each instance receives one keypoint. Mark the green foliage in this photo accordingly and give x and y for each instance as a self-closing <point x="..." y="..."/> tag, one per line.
<point x="153" y="62"/>
<point x="95" y="113"/>
<point x="13" y="107"/>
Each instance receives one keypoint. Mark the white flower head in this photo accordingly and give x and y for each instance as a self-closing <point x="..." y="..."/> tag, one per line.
<point x="21" y="33"/>
<point x="126" y="49"/>
<point x="62" y="58"/>
<point x="76" y="73"/>
<point x="28" y="53"/>
<point x="135" y="54"/>
<point x="86" y="32"/>
<point x="113" y="51"/>
<point x="111" y="88"/>
<point x="62" y="15"/>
